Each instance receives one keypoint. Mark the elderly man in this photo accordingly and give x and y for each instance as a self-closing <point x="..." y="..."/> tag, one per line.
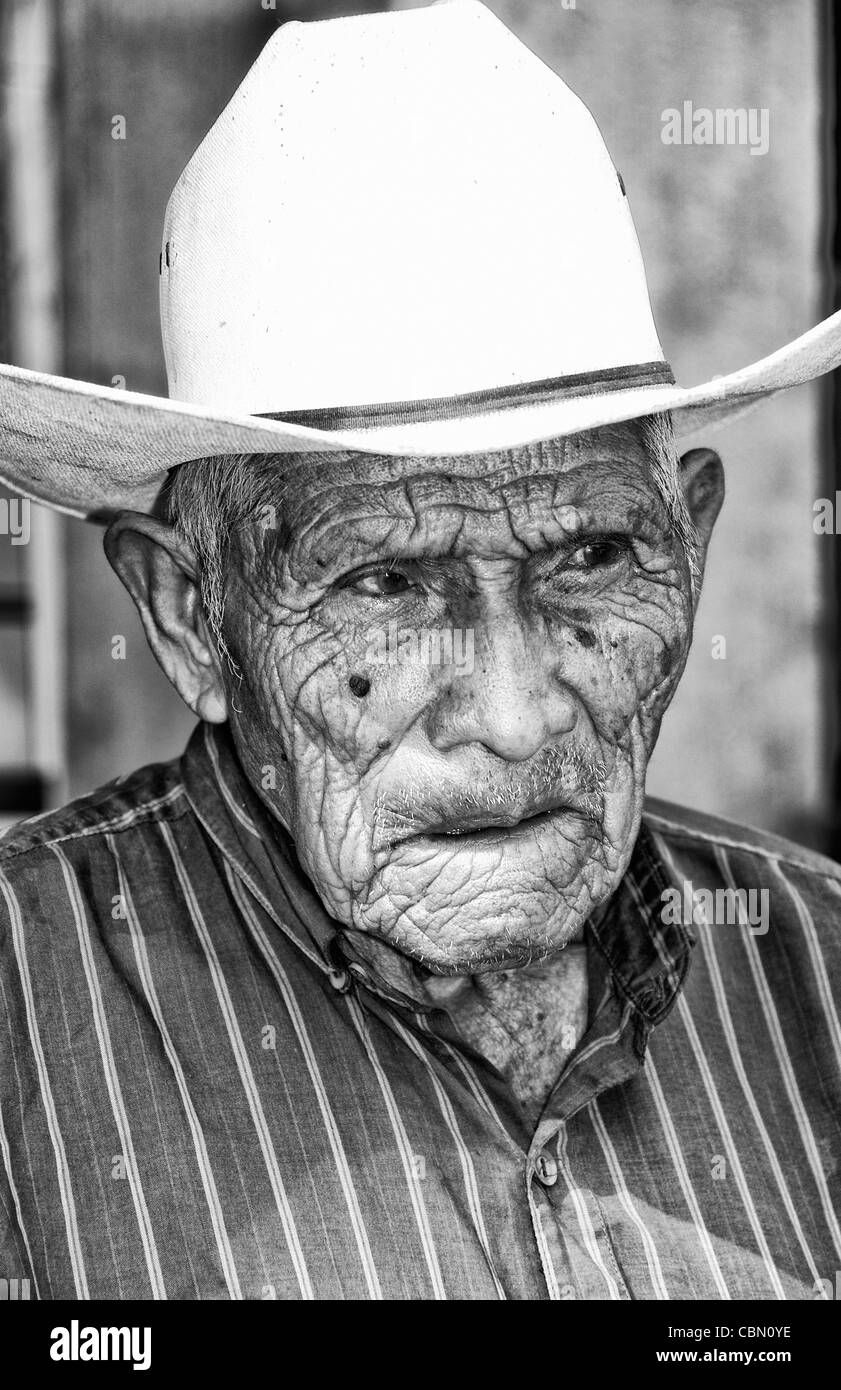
<point x="392" y="987"/>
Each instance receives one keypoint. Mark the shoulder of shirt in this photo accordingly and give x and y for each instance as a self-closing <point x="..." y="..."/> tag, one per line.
<point x="681" y="826"/>
<point x="152" y="793"/>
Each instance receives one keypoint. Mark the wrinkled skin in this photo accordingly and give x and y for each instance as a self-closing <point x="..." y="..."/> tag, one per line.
<point x="471" y="818"/>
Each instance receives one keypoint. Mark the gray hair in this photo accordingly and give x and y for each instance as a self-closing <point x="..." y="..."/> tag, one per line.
<point x="209" y="500"/>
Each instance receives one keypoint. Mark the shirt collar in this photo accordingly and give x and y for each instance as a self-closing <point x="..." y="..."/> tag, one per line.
<point x="632" y="949"/>
<point x="255" y="845"/>
<point x="647" y="958"/>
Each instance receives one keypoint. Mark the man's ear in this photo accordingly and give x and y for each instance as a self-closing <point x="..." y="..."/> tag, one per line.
<point x="702" y="484"/>
<point x="160" y="572"/>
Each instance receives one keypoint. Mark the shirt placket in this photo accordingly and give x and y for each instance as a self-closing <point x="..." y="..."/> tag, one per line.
<point x="573" y="1239"/>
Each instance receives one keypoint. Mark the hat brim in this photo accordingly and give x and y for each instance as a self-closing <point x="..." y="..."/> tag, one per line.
<point x="92" y="450"/>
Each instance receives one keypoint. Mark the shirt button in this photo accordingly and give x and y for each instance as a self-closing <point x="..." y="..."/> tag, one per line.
<point x="546" y="1170"/>
<point x="340" y="980"/>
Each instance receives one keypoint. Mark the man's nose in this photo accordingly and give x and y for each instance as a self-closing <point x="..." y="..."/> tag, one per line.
<point x="514" y="700"/>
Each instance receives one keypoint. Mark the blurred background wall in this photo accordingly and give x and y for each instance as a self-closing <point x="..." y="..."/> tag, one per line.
<point x="734" y="244"/>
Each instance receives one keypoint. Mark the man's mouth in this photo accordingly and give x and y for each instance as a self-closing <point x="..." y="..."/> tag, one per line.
<point x="486" y="829"/>
<point x="498" y="832"/>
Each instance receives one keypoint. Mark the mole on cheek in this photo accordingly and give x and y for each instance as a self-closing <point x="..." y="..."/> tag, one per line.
<point x="359" y="686"/>
<point x="668" y="661"/>
<point x="584" y="637"/>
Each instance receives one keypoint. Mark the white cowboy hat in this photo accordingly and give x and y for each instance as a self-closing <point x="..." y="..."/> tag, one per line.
<point x="403" y="235"/>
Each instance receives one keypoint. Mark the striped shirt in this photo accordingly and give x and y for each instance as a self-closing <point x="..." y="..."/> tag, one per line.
<point x="203" y="1098"/>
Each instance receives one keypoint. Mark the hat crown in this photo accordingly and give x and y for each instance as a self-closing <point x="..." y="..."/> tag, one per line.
<point x="396" y="207"/>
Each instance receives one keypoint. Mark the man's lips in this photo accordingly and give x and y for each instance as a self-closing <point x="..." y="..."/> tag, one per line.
<point x="496" y="826"/>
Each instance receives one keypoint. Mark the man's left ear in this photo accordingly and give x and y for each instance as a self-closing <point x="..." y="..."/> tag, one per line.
<point x="160" y="572"/>
<point x="702" y="484"/>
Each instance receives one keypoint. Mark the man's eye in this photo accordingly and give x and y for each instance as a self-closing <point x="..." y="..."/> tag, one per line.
<point x="598" y="554"/>
<point x="380" y="583"/>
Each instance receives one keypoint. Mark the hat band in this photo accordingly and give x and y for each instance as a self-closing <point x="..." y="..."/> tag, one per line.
<point x="477" y="402"/>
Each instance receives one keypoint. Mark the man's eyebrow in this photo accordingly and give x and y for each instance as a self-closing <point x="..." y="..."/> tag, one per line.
<point x="641" y="495"/>
<point x="346" y="540"/>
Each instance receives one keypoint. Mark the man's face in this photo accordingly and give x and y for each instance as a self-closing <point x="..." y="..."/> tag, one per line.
<point x="454" y="673"/>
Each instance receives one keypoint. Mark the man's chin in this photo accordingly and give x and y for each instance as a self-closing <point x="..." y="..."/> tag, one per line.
<point x="512" y="956"/>
<point x="456" y="913"/>
<point x="471" y="947"/>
